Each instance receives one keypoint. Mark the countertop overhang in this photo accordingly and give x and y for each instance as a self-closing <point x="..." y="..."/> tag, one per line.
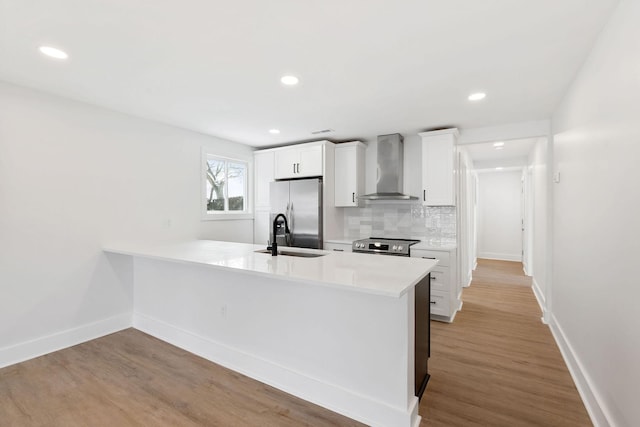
<point x="389" y="276"/>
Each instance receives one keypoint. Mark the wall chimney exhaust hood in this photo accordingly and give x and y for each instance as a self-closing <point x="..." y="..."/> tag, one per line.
<point x="389" y="171"/>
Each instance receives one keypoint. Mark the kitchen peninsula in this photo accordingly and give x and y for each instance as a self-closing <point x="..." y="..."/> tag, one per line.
<point x="336" y="329"/>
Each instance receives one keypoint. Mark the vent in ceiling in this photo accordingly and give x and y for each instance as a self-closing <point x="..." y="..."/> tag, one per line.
<point x="317" y="132"/>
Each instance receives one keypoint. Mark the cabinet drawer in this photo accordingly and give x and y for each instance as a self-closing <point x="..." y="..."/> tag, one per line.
<point x="338" y="247"/>
<point x="442" y="256"/>
<point x="440" y="279"/>
<point x="440" y="303"/>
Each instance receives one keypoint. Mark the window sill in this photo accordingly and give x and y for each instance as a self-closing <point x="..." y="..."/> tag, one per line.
<point x="226" y="216"/>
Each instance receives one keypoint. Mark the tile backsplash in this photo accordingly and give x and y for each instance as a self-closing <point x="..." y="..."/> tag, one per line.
<point x="401" y="220"/>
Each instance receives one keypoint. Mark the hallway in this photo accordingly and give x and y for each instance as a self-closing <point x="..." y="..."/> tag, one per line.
<point x="498" y="364"/>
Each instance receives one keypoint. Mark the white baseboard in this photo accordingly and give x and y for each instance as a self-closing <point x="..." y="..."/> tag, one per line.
<point x="600" y="416"/>
<point x="540" y="298"/>
<point x="468" y="281"/>
<point x="315" y="390"/>
<point x="40" y="346"/>
<point x="500" y="257"/>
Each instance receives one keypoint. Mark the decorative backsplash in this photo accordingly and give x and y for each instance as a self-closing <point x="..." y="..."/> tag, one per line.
<point x="401" y="220"/>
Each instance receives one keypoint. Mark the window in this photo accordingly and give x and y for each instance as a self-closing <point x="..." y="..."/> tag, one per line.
<point x="225" y="186"/>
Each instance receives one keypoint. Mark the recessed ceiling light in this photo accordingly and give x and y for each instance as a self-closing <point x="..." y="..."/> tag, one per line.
<point x="499" y="168"/>
<point x="289" y="80"/>
<point x="498" y="144"/>
<point x="477" y="96"/>
<point x="53" y="52"/>
<point x="274" y="131"/>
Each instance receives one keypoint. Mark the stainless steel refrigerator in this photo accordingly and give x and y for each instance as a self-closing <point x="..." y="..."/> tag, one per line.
<point x="300" y="200"/>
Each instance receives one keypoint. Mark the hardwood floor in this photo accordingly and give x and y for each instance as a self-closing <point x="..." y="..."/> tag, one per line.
<point x="132" y="379"/>
<point x="497" y="364"/>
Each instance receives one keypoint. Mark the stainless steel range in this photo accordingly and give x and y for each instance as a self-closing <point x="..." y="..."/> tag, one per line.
<point x="384" y="246"/>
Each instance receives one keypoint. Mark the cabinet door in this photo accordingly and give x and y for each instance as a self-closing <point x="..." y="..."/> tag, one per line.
<point x="310" y="163"/>
<point x="346" y="177"/>
<point x="261" y="230"/>
<point x="286" y="163"/>
<point x="264" y="174"/>
<point x="438" y="171"/>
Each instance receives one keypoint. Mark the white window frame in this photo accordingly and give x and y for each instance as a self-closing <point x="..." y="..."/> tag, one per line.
<point x="247" y="213"/>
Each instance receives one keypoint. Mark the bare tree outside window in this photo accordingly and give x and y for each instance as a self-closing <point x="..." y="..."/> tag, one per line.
<point x="226" y="185"/>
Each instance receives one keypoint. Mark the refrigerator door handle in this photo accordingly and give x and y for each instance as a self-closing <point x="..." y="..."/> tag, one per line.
<point x="288" y="215"/>
<point x="291" y="220"/>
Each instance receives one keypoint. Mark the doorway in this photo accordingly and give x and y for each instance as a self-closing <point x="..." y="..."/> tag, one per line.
<point x="510" y="200"/>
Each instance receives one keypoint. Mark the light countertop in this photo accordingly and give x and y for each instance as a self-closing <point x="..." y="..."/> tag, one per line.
<point x="340" y="241"/>
<point x="435" y="245"/>
<point x="374" y="274"/>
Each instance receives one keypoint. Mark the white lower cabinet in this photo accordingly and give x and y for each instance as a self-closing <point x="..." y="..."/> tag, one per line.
<point x="445" y="298"/>
<point x="338" y="247"/>
<point x="439" y="303"/>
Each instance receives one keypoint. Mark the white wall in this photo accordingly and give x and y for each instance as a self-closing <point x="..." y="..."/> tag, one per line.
<point x="500" y="215"/>
<point x="538" y="177"/>
<point x="74" y="177"/>
<point x="596" y="222"/>
<point x="466" y="230"/>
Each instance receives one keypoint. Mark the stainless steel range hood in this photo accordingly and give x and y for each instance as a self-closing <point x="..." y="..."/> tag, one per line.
<point x="389" y="173"/>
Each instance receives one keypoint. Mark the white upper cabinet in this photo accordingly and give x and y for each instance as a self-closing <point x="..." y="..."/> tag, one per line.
<point x="299" y="161"/>
<point x="349" y="173"/>
<point x="438" y="167"/>
<point x="263" y="162"/>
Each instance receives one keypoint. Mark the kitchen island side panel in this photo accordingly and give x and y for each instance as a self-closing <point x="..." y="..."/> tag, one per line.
<point x="348" y="351"/>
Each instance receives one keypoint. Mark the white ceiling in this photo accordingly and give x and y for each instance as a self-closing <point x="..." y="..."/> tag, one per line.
<point x="514" y="153"/>
<point x="367" y="67"/>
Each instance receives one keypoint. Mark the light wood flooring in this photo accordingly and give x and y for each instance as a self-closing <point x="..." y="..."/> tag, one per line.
<point x="132" y="379"/>
<point x="496" y="365"/>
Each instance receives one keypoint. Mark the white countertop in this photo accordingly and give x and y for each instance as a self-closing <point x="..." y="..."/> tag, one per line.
<point x="340" y="241"/>
<point x="436" y="244"/>
<point x="374" y="274"/>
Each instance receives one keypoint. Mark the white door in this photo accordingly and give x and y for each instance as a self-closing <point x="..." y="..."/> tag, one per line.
<point x="346" y="178"/>
<point x="261" y="227"/>
<point x="438" y="179"/>
<point x="310" y="163"/>
<point x="286" y="163"/>
<point x="264" y="173"/>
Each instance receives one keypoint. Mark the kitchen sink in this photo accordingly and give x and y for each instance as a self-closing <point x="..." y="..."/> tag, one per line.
<point x="289" y="253"/>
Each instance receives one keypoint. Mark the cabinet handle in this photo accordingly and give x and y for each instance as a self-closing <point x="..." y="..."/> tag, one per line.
<point x="424" y="195"/>
<point x="353" y="197"/>
<point x="433" y="277"/>
<point x="428" y="257"/>
<point x="294" y="168"/>
<point x="432" y="302"/>
<point x="339" y="250"/>
<point x="298" y="167"/>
